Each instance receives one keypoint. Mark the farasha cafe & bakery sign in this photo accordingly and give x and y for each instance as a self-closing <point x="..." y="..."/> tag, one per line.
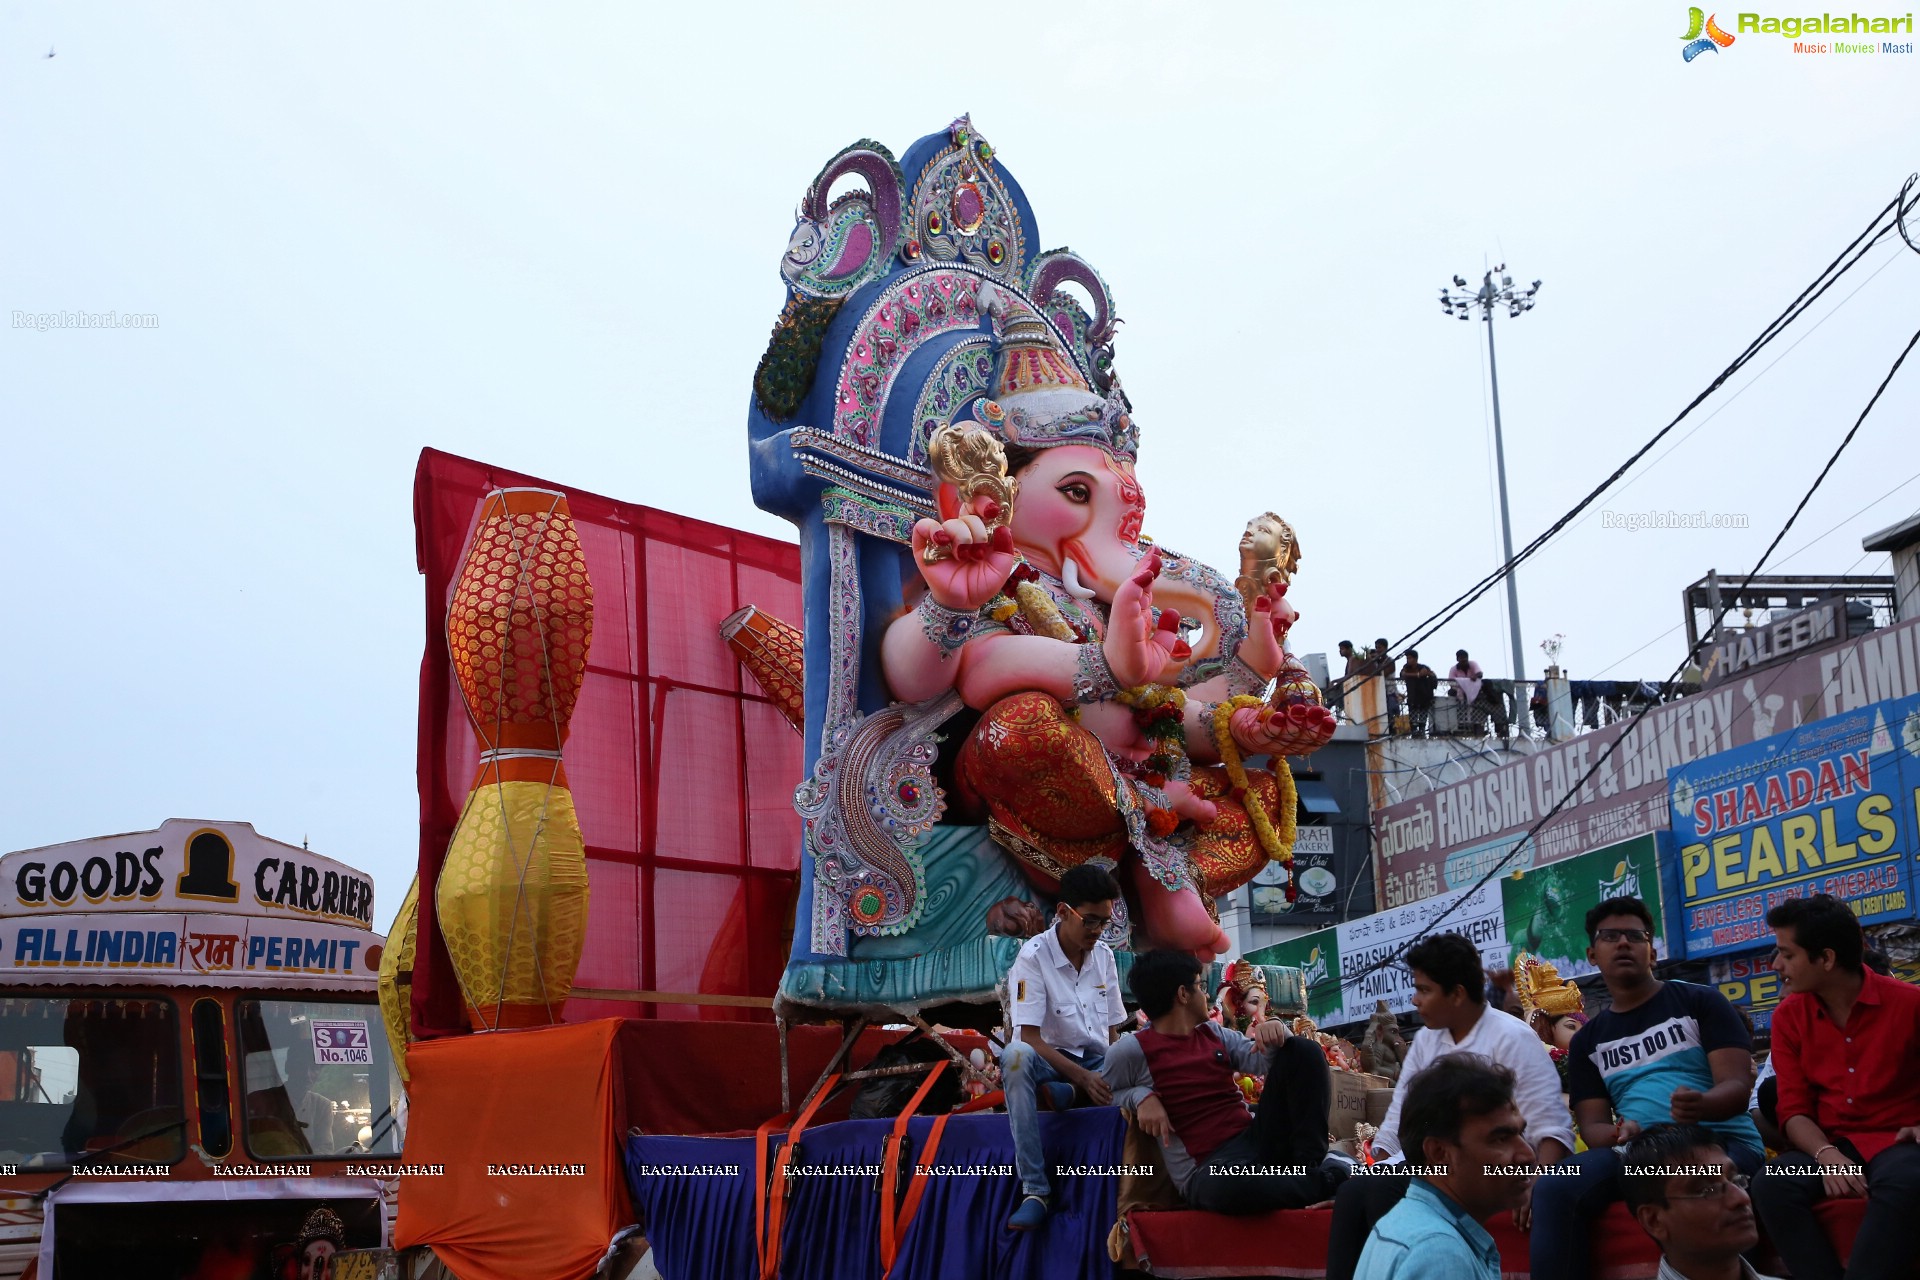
<point x="1450" y="837"/>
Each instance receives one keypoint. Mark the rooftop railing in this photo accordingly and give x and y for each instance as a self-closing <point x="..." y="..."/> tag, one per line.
<point x="1551" y="708"/>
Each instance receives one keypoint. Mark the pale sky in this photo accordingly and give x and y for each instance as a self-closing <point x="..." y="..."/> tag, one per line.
<point x="547" y="238"/>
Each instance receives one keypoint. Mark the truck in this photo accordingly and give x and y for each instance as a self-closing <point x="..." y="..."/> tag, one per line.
<point x="195" y="1079"/>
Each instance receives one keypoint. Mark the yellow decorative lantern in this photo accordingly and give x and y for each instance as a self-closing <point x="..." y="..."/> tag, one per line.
<point x="396" y="978"/>
<point x="512" y="895"/>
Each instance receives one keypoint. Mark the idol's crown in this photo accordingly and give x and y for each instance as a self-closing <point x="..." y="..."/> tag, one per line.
<point x="1040" y="396"/>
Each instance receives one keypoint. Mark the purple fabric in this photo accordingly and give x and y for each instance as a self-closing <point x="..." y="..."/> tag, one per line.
<point x="703" y="1225"/>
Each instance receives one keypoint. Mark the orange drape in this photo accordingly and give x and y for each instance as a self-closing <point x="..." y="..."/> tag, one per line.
<point x="551" y="1096"/>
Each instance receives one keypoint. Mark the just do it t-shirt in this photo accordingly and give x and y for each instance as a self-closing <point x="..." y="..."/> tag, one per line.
<point x="1635" y="1060"/>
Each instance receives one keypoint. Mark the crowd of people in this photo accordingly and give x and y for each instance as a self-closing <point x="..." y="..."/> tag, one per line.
<point x="1660" y="1107"/>
<point x="1481" y="699"/>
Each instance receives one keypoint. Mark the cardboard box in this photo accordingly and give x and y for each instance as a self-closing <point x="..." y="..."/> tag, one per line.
<point x="1349" y="1105"/>
<point x="1378" y="1100"/>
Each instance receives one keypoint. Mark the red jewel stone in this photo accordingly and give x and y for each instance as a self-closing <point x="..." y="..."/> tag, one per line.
<point x="968" y="208"/>
<point x="910" y="794"/>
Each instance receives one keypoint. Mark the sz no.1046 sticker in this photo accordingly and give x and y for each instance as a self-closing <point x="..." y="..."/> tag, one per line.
<point x="342" y="1043"/>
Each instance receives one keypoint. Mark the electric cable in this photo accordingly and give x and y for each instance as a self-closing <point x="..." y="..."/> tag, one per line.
<point x="1804" y="547"/>
<point x="1827" y="278"/>
<point x="1633" y="722"/>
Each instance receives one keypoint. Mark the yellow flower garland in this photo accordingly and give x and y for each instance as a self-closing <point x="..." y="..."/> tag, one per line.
<point x="1278" y="844"/>
<point x="1042" y="614"/>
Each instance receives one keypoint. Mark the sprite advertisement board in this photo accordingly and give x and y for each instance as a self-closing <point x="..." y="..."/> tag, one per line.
<point x="1317" y="956"/>
<point x="1546" y="907"/>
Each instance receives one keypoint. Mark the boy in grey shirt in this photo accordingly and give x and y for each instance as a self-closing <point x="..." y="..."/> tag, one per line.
<point x="1176" y="1077"/>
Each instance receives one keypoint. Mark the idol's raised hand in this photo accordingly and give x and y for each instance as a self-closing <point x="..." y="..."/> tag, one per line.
<point x="1264" y="649"/>
<point x="965" y="563"/>
<point x="1139" y="650"/>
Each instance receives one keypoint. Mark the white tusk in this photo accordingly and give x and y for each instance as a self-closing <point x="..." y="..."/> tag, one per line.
<point x="1070" y="578"/>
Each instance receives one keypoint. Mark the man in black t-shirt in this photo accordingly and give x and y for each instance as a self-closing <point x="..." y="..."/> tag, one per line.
<point x="1665" y="1051"/>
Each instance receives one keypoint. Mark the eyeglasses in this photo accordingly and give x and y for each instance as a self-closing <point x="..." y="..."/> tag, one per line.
<point x="1621" y="935"/>
<point x="1716" y="1190"/>
<point x="1097" y="923"/>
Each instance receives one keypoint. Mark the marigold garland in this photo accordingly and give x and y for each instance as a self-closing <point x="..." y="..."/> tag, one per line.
<point x="1278" y="844"/>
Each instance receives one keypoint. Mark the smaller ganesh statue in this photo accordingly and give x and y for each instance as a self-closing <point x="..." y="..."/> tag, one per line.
<point x="1340" y="1055"/>
<point x="1363" y="1136"/>
<point x="981" y="1077"/>
<point x="1551" y="1005"/>
<point x="1383" y="1048"/>
<point x="1242" y="1001"/>
<point x="310" y="1256"/>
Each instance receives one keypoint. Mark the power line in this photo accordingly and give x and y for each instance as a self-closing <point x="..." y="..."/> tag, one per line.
<point x="1745" y="387"/>
<point x="1827" y="278"/>
<point x="1633" y="722"/>
<point x="1783" y="559"/>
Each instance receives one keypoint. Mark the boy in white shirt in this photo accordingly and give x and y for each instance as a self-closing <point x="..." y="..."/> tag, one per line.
<point x="1064" y="989"/>
<point x="1449" y="994"/>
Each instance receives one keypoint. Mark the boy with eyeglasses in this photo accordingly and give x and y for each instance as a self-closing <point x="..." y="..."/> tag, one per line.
<point x="1664" y="1052"/>
<point x="1064" y="988"/>
<point x="1687" y="1194"/>
<point x="1176" y="1078"/>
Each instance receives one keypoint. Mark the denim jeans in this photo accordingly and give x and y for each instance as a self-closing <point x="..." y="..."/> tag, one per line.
<point x="1785" y="1193"/>
<point x="1022" y="1072"/>
<point x="1565" y="1204"/>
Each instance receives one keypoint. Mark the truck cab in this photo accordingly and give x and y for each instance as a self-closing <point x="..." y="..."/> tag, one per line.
<point x="194" y="1075"/>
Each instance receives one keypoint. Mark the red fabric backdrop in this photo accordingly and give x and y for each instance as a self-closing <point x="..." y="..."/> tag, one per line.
<point x="682" y="770"/>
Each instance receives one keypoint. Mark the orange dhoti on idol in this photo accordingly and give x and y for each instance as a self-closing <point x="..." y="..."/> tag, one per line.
<point x="512" y="894"/>
<point x="1049" y="784"/>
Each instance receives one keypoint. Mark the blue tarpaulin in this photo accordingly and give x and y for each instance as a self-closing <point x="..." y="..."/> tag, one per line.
<point x="695" y="1197"/>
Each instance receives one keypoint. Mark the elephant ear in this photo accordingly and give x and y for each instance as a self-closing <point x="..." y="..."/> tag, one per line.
<point x="1091" y="337"/>
<point x="834" y="249"/>
<point x="838" y="247"/>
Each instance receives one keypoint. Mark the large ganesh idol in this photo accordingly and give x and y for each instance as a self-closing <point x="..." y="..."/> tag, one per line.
<point x="1004" y="676"/>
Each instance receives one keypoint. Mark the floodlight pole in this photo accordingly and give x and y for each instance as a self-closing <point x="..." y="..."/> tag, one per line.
<point x="1506" y="520"/>
<point x="1517" y="301"/>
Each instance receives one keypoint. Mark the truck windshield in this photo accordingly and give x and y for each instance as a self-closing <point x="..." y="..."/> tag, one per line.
<point x="320" y="1082"/>
<point x="89" y="1079"/>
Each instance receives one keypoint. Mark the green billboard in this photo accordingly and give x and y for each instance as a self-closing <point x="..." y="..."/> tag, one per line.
<point x="1546" y="907"/>
<point x="1317" y="956"/>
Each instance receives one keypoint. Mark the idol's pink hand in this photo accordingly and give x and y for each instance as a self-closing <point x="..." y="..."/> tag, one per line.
<point x="1264" y="649"/>
<point x="1281" y="731"/>
<point x="1138" y="650"/>
<point x="974" y="561"/>
<point x="1282" y="614"/>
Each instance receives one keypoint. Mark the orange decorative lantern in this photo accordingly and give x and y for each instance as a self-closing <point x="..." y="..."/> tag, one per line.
<point x="512" y="895"/>
<point x="774" y="653"/>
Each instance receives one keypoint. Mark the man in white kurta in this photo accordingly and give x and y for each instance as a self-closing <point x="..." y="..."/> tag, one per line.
<point x="1449" y="989"/>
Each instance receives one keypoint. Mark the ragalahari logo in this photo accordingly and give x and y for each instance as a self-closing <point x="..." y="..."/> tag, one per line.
<point x="1714" y="39"/>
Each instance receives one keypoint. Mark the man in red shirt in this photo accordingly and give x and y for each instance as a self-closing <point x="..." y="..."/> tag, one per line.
<point x="1845" y="1040"/>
